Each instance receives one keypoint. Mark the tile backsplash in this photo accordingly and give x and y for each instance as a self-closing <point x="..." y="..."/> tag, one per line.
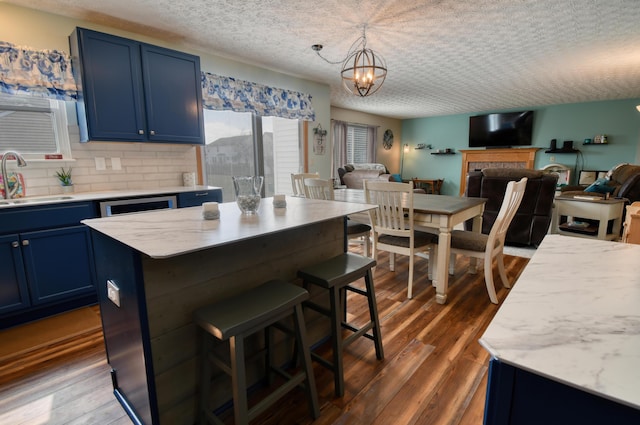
<point x="142" y="166"/>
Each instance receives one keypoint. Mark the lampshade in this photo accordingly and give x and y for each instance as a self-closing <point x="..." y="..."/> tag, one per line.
<point x="638" y="108"/>
<point x="363" y="70"/>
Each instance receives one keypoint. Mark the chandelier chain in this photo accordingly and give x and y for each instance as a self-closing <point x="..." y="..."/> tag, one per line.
<point x="362" y="40"/>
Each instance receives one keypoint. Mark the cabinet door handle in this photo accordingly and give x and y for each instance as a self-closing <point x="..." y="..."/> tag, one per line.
<point x="25" y="242"/>
<point x="202" y="194"/>
<point x="15" y="244"/>
<point x="140" y="131"/>
<point x="153" y="133"/>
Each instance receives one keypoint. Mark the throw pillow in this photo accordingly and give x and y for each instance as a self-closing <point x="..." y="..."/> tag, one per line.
<point x="600" y="186"/>
<point x="396" y="178"/>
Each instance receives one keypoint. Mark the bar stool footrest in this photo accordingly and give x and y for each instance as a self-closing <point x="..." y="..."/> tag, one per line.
<point x="323" y="362"/>
<point x="357" y="333"/>
<point x="357" y="290"/>
<point x="275" y="395"/>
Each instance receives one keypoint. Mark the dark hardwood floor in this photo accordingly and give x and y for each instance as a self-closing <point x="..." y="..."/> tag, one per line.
<point x="434" y="371"/>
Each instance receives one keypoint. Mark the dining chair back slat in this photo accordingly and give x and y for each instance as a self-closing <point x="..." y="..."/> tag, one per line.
<point x="390" y="215"/>
<point x="316" y="188"/>
<point x="297" y="183"/>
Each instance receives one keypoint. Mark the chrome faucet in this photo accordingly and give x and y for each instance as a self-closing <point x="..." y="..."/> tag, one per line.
<point x="21" y="163"/>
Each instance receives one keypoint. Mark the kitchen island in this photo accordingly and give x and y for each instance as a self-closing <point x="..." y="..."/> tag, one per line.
<point x="160" y="266"/>
<point x="565" y="344"/>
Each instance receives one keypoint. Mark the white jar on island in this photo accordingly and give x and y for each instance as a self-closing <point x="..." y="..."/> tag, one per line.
<point x="210" y="211"/>
<point x="279" y="201"/>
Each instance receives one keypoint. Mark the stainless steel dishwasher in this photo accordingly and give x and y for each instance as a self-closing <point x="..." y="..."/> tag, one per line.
<point x="136" y="205"/>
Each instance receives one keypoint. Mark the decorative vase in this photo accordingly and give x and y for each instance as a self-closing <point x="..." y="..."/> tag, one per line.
<point x="67" y="189"/>
<point x="248" y="189"/>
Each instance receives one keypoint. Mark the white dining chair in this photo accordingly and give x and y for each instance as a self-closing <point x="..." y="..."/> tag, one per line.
<point x="297" y="183"/>
<point x="323" y="189"/>
<point x="392" y="223"/>
<point x="491" y="246"/>
<point x="317" y="188"/>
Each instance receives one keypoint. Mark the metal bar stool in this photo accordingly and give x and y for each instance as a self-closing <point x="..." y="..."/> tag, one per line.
<point x="242" y="315"/>
<point x="336" y="275"/>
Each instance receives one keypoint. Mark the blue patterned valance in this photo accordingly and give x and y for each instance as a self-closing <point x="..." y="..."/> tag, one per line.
<point x="45" y="73"/>
<point x="228" y="94"/>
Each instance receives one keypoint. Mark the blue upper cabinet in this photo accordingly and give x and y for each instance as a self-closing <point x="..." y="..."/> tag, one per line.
<point x="173" y="95"/>
<point x="132" y="91"/>
<point x="108" y="71"/>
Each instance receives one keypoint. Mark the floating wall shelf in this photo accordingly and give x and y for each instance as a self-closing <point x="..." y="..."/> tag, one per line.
<point x="561" y="151"/>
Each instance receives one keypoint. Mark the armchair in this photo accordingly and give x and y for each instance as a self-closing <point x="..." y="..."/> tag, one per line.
<point x="623" y="182"/>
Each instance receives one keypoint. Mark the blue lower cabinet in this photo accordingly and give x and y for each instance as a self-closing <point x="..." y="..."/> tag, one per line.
<point x="196" y="198"/>
<point x="519" y="397"/>
<point x="47" y="261"/>
<point x="59" y="263"/>
<point x="44" y="273"/>
<point x="14" y="293"/>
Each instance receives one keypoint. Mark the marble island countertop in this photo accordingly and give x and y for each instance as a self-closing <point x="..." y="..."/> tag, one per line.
<point x="94" y="196"/>
<point x="574" y="317"/>
<point x="168" y="233"/>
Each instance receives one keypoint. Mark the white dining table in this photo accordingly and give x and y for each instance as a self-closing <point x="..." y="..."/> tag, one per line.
<point x="439" y="212"/>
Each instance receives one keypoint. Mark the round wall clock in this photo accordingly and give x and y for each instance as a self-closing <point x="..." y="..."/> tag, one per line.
<point x="387" y="139"/>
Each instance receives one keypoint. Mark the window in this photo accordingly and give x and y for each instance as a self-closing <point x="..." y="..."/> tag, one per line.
<point x="357" y="144"/>
<point x="33" y="126"/>
<point x="243" y="144"/>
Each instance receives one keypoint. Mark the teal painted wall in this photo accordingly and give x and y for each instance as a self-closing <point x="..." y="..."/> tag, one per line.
<point x="619" y="120"/>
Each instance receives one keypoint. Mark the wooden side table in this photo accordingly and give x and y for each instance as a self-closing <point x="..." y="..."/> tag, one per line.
<point x="631" y="233"/>
<point x="432" y="186"/>
<point x="569" y="209"/>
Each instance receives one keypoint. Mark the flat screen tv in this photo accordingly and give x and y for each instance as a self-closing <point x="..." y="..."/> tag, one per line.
<point x="501" y="130"/>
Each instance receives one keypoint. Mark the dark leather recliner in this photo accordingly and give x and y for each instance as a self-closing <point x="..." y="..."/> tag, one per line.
<point x="532" y="220"/>
<point x="624" y="181"/>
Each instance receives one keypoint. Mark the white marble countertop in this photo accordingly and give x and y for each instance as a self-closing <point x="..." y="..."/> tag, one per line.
<point x="168" y="233"/>
<point x="574" y="317"/>
<point x="94" y="196"/>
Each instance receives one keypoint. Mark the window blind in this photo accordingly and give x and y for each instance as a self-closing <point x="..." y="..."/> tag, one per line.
<point x="27" y="125"/>
<point x="357" y="144"/>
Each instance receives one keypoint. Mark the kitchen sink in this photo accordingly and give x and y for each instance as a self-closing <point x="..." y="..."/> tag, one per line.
<point x="19" y="201"/>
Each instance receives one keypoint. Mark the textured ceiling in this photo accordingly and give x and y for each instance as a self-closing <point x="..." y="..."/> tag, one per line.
<point x="444" y="56"/>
